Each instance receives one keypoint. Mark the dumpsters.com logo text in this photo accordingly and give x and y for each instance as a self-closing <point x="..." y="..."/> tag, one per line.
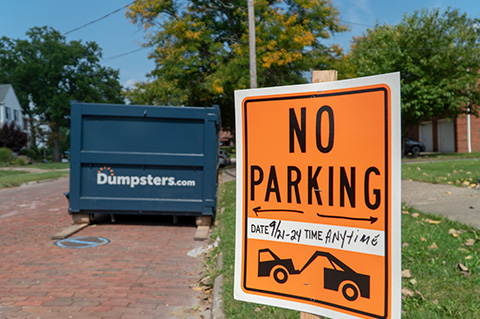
<point x="106" y="176"/>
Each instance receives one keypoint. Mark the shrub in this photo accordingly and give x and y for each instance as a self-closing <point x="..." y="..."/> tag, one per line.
<point x="30" y="153"/>
<point x="5" y="154"/>
<point x="21" y="160"/>
<point x="228" y="149"/>
<point x="11" y="136"/>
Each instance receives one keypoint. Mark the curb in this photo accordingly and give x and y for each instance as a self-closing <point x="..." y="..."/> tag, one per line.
<point x="217" y="299"/>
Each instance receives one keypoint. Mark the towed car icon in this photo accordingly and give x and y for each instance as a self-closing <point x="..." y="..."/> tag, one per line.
<point x="340" y="277"/>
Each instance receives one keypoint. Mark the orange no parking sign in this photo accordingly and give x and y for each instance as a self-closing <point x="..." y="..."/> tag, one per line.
<point x="318" y="197"/>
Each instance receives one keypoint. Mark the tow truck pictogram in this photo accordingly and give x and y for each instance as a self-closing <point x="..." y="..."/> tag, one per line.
<point x="340" y="277"/>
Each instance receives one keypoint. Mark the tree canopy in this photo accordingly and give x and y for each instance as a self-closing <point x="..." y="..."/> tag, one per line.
<point x="200" y="47"/>
<point x="47" y="72"/>
<point x="438" y="56"/>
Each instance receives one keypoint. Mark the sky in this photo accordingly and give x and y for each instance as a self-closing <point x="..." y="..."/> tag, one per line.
<point x="121" y="40"/>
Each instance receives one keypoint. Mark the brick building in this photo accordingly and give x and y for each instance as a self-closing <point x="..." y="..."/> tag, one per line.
<point x="449" y="135"/>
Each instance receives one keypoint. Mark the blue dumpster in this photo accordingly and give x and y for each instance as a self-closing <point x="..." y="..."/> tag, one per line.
<point x="143" y="160"/>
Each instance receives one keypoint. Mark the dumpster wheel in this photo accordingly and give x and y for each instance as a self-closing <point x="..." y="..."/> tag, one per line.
<point x="82" y="218"/>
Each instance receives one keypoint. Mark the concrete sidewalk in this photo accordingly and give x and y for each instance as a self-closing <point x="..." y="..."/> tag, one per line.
<point x="456" y="203"/>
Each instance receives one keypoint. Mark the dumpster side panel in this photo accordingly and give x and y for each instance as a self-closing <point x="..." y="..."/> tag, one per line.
<point x="146" y="135"/>
<point x="143" y="159"/>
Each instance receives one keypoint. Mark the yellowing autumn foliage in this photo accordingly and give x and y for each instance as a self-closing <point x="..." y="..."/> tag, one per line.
<point x="200" y="47"/>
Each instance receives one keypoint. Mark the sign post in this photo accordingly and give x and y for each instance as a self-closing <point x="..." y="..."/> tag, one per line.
<point x="318" y="197"/>
<point x="319" y="77"/>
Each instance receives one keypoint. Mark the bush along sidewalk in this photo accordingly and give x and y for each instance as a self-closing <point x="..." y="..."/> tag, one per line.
<point x="440" y="262"/>
<point x="5" y="155"/>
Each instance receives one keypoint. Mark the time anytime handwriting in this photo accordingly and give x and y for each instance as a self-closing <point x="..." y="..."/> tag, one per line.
<point x="325" y="236"/>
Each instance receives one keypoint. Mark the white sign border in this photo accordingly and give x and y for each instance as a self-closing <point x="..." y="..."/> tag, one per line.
<point x="392" y="80"/>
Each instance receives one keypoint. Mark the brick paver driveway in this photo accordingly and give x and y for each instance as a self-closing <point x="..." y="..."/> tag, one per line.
<point x="144" y="272"/>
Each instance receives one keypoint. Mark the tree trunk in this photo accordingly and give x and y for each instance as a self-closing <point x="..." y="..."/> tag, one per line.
<point x="32" y="138"/>
<point x="55" y="142"/>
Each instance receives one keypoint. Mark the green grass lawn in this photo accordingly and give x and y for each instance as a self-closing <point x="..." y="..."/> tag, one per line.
<point x="459" y="172"/>
<point x="433" y="250"/>
<point x="13" y="178"/>
<point x="50" y="166"/>
<point x="440" y="156"/>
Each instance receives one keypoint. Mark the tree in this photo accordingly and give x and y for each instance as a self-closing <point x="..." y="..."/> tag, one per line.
<point x="201" y="47"/>
<point x="48" y="72"/>
<point x="12" y="137"/>
<point x="438" y="56"/>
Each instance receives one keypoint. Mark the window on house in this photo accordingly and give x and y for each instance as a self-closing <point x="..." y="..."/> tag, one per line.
<point x="7" y="113"/>
<point x="16" y="116"/>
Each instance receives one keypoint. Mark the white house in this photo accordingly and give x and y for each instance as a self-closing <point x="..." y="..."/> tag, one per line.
<point x="10" y="109"/>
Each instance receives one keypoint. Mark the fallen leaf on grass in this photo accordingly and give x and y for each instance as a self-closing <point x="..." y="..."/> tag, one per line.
<point x="406" y="273"/>
<point x="407" y="292"/>
<point x="433" y="246"/>
<point x="453" y="232"/>
<point x="432" y="221"/>
<point x="423" y="239"/>
<point x="413" y="281"/>
<point x="470" y="242"/>
<point x="405" y="212"/>
<point x="420" y="294"/>
<point x="462" y="267"/>
<point x="475" y="234"/>
<point x="415" y="215"/>
<point x="435" y="302"/>
<point x="469" y="257"/>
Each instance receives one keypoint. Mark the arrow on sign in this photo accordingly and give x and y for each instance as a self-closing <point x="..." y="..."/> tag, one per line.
<point x="259" y="210"/>
<point x="371" y="219"/>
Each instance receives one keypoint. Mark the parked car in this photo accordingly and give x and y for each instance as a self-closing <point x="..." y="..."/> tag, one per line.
<point x="414" y="147"/>
<point x="223" y="158"/>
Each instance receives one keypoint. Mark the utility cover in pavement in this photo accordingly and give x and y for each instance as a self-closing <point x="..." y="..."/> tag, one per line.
<point x="82" y="242"/>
